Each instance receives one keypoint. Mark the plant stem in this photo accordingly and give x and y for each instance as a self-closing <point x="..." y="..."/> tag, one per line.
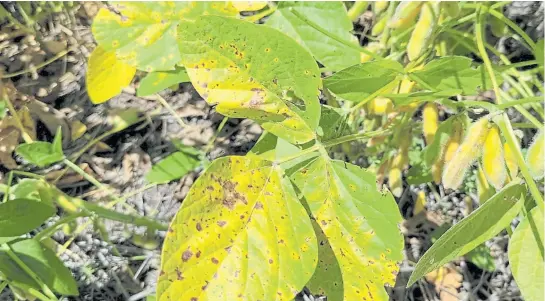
<point x="357" y="9"/>
<point x="170" y="109"/>
<point x="504" y="123"/>
<point x="6" y="193"/>
<point x="39" y="66"/>
<point x="6" y="248"/>
<point x="53" y="228"/>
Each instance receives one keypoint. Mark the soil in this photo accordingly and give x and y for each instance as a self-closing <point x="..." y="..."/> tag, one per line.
<point x="119" y="269"/>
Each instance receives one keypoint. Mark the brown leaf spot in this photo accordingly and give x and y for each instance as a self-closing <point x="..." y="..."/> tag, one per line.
<point x="186" y="255"/>
<point x="204" y="286"/>
<point x="214" y="260"/>
<point x="179" y="274"/>
<point x="194" y="299"/>
<point x="221" y="223"/>
<point x="198" y="254"/>
<point x="258" y="205"/>
<point x="199" y="227"/>
<point x="270" y="261"/>
<point x="323" y="223"/>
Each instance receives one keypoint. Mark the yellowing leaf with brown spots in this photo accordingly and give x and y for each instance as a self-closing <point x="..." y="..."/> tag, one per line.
<point x="106" y="75"/>
<point x="241" y="234"/>
<point x="143" y="34"/>
<point x="253" y="71"/>
<point x="249" y="5"/>
<point x="360" y="228"/>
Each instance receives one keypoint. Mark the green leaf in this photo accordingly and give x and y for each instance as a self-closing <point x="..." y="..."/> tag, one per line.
<point x="358" y="82"/>
<point x="160" y="80"/>
<point x="333" y="123"/>
<point x="526" y="256"/>
<point x="419" y="174"/>
<point x="361" y="226"/>
<point x="43" y="262"/>
<point x="240" y="232"/>
<point x="42" y="153"/>
<point x="481" y="225"/>
<point x="20" y="216"/>
<point x="539" y="52"/>
<point x="330" y="17"/>
<point x="480" y="256"/>
<point x="455" y="72"/>
<point x="253" y="71"/>
<point x="2" y="109"/>
<point x="28" y="189"/>
<point x="172" y="167"/>
<point x="143" y="34"/>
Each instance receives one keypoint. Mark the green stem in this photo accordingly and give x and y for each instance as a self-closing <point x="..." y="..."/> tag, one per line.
<point x="513" y="26"/>
<point x="532" y="99"/>
<point x="53" y="228"/>
<point x="504" y="123"/>
<point x="6" y="248"/>
<point x="220" y="127"/>
<point x="357" y="9"/>
<point x="3" y="285"/>
<point x="6" y="193"/>
<point x="333" y="36"/>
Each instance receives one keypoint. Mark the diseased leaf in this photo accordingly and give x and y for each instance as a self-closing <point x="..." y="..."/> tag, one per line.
<point x="358" y="82"/>
<point x="160" y="80"/>
<point x="240" y="232"/>
<point x="20" y="216"/>
<point x="248" y="5"/>
<point x="252" y="71"/>
<point x="143" y="34"/>
<point x="106" y="75"/>
<point x="526" y="256"/>
<point x="361" y="226"/>
<point x="331" y="17"/>
<point x="43" y="262"/>
<point x="455" y="72"/>
<point x="482" y="224"/>
<point x="172" y="167"/>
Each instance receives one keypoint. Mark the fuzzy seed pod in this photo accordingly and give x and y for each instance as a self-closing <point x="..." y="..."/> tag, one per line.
<point x="510" y="161"/>
<point x="467" y="152"/>
<point x="405" y="13"/>
<point x="430" y="118"/>
<point x="395" y="181"/>
<point x="378" y="28"/>
<point x="381" y="6"/>
<point x="437" y="171"/>
<point x="452" y="8"/>
<point x="536" y="156"/>
<point x="448" y="151"/>
<point x="420" y="37"/>
<point x="380" y="106"/>
<point x="484" y="191"/>
<point x="493" y="158"/>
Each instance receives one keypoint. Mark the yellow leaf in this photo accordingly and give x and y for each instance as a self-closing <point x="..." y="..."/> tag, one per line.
<point x="510" y="160"/>
<point x="78" y="129"/>
<point x="106" y="75"/>
<point x="248" y="5"/>
<point x="484" y="191"/>
<point x="493" y="159"/>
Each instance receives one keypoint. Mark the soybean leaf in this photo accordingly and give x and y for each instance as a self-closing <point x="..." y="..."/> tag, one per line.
<point x="249" y="5"/>
<point x="455" y="72"/>
<point x="480" y="256"/>
<point x="253" y="71"/>
<point x="160" y="80"/>
<point x="143" y="34"/>
<point x="42" y="153"/>
<point x="106" y="75"/>
<point x="43" y="262"/>
<point x="419" y="174"/>
<point x="28" y="189"/>
<point x="330" y="17"/>
<point x="333" y="123"/>
<point x="20" y="216"/>
<point x="172" y="167"/>
<point x="358" y="82"/>
<point x="361" y="227"/>
<point x="526" y="256"/>
<point x="240" y="232"/>
<point x="481" y="225"/>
